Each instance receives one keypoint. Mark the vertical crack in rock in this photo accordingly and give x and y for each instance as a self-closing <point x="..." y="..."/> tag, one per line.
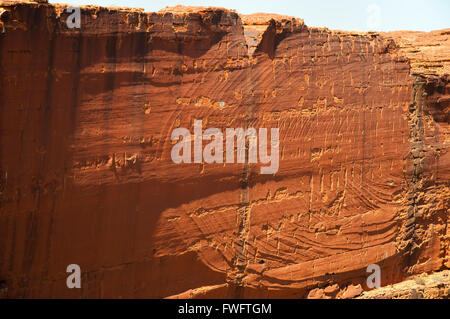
<point x="424" y="203"/>
<point x="429" y="117"/>
<point x="244" y="211"/>
<point x="416" y="155"/>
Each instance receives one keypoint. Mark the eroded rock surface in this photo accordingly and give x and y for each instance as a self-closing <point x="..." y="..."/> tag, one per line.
<point x="433" y="286"/>
<point x="86" y="175"/>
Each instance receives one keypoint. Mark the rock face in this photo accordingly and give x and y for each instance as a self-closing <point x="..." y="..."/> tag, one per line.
<point x="434" y="286"/>
<point x="86" y="175"/>
<point x="430" y="141"/>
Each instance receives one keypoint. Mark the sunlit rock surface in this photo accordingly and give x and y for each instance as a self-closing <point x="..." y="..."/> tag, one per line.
<point x="86" y="175"/>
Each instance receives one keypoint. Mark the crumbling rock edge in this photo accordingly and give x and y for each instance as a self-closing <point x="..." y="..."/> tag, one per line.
<point x="425" y="286"/>
<point x="309" y="231"/>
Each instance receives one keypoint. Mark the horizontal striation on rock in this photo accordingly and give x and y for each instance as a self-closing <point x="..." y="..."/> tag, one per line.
<point x="87" y="175"/>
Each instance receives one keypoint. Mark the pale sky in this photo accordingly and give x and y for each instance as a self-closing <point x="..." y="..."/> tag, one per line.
<point x="362" y="15"/>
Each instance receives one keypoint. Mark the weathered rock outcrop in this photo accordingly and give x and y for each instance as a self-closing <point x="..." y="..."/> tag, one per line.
<point x="433" y="286"/>
<point x="86" y="175"/>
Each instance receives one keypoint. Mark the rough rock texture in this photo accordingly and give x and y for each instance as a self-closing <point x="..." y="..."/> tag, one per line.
<point x="429" y="117"/>
<point x="86" y="176"/>
<point x="433" y="286"/>
<point x="427" y="51"/>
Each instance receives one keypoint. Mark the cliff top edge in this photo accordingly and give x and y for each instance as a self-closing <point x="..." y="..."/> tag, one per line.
<point x="258" y="18"/>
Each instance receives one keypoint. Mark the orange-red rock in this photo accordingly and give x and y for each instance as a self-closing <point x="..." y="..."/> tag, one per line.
<point x="86" y="175"/>
<point x="432" y="286"/>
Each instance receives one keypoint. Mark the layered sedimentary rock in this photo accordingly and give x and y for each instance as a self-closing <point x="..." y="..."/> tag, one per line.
<point x="429" y="116"/>
<point x="86" y="175"/>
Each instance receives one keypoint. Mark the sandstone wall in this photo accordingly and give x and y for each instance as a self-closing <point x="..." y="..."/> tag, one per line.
<point x="86" y="175"/>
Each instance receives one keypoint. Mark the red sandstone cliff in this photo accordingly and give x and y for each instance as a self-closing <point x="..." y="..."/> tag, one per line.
<point x="86" y="176"/>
